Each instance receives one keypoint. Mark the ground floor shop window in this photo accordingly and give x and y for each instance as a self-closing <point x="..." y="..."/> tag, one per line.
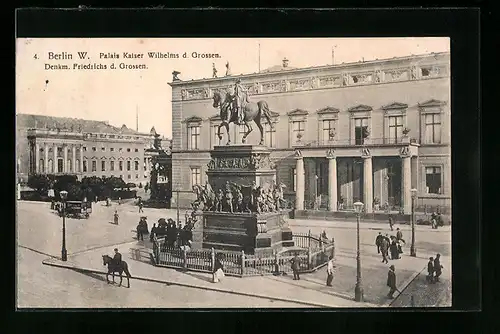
<point x="433" y="180"/>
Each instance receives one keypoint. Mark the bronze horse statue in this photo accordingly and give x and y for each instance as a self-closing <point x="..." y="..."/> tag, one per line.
<point x="252" y="112"/>
<point x="113" y="268"/>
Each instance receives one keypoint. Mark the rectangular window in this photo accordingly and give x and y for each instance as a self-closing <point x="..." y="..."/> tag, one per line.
<point x="194" y="137"/>
<point x="112" y="149"/>
<point x="136" y="176"/>
<point x="433" y="180"/>
<point x="129" y="176"/>
<point x="93" y="149"/>
<point x="136" y="163"/>
<point x="60" y="165"/>
<point x="120" y="149"/>
<point x="294" y="179"/>
<point x="432" y="128"/>
<point x="84" y="148"/>
<point x="270" y="135"/>
<point x="216" y="141"/>
<point x="128" y="149"/>
<point x="84" y="166"/>
<point x="103" y="166"/>
<point x="328" y="131"/>
<point x="94" y="166"/>
<point x="111" y="165"/>
<point x="136" y="150"/>
<point x="103" y="149"/>
<point x="360" y="126"/>
<point x="298" y="128"/>
<point x="120" y="165"/>
<point x="395" y="129"/>
<point x="195" y="176"/>
<point x="128" y="165"/>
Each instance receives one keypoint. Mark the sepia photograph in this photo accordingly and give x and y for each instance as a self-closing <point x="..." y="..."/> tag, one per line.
<point x="233" y="173"/>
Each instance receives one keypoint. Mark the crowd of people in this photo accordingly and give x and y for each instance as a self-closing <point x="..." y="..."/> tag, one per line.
<point x="391" y="247"/>
<point x="176" y="235"/>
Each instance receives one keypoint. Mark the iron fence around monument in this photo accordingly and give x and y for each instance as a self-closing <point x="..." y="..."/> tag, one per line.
<point x="312" y="252"/>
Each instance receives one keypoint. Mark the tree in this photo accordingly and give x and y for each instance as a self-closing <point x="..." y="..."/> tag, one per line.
<point x="115" y="183"/>
<point x="40" y="182"/>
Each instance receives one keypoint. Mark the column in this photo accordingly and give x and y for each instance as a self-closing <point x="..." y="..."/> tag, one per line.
<point x="368" y="182"/>
<point x="73" y="163"/>
<point x="54" y="162"/>
<point x="332" y="180"/>
<point x="81" y="159"/>
<point x="65" y="157"/>
<point x="37" y="158"/>
<point x="46" y="163"/>
<point x="300" y="186"/>
<point x="406" y="183"/>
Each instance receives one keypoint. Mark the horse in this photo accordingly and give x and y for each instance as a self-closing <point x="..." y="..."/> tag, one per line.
<point x="252" y="112"/>
<point x="113" y="268"/>
<point x="203" y="198"/>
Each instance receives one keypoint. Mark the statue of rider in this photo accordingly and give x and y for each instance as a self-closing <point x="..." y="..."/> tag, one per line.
<point x="239" y="100"/>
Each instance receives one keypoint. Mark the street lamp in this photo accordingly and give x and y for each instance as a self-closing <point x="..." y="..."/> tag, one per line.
<point x="358" y="290"/>
<point x="64" y="252"/>
<point x="413" y="250"/>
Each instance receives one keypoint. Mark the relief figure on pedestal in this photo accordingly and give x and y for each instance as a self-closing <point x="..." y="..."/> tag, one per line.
<point x="228" y="199"/>
<point x="219" y="200"/>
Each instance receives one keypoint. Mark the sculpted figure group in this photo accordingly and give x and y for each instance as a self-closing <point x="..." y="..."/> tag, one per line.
<point x="232" y="198"/>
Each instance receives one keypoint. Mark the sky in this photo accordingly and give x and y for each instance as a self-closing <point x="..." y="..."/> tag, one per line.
<point x="116" y="95"/>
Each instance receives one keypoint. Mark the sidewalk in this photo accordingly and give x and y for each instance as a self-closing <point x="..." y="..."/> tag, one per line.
<point x="363" y="225"/>
<point x="309" y="291"/>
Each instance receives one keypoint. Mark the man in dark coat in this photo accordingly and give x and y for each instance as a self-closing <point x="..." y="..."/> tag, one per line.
<point x="391" y="223"/>
<point x="430" y="270"/>
<point x="384" y="248"/>
<point x="437" y="267"/>
<point x="399" y="235"/>
<point x="153" y="232"/>
<point x="378" y="241"/>
<point x="295" y="267"/>
<point x="391" y="281"/>
<point x="140" y="231"/>
<point x="117" y="258"/>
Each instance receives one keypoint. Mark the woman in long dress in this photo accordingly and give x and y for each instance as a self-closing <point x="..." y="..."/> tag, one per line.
<point x="218" y="273"/>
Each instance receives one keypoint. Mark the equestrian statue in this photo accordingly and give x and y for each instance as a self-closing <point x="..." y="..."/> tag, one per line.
<point x="239" y="110"/>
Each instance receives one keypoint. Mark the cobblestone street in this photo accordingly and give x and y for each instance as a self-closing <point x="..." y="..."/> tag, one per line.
<point x="39" y="237"/>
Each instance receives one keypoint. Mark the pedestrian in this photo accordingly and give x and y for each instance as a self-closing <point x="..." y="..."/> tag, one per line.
<point x="399" y="235"/>
<point x="115" y="217"/>
<point x="140" y="206"/>
<point x="295" y="266"/>
<point x="430" y="270"/>
<point x="153" y="233"/>
<point x="378" y="241"/>
<point x="437" y="267"/>
<point x="384" y="249"/>
<point x="391" y="281"/>
<point x="218" y="273"/>
<point x="391" y="223"/>
<point x="330" y="269"/>
<point x="119" y="200"/>
<point x="140" y="231"/>
<point x="394" y="250"/>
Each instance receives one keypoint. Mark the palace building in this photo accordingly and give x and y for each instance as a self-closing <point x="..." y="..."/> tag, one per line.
<point x="367" y="131"/>
<point x="58" y="145"/>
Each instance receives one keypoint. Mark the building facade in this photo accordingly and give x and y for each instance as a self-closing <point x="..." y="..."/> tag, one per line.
<point x="85" y="148"/>
<point x="366" y="131"/>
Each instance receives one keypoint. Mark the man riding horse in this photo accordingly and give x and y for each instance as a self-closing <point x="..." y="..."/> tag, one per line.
<point x="240" y="98"/>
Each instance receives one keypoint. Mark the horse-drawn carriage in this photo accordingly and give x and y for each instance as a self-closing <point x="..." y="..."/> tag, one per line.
<point x="77" y="209"/>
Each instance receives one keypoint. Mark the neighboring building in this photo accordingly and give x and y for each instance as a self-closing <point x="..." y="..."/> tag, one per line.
<point x="57" y="145"/>
<point x="320" y="115"/>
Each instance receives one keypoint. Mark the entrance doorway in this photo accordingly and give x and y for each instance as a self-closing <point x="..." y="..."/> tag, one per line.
<point x="394" y="183"/>
<point x="60" y="163"/>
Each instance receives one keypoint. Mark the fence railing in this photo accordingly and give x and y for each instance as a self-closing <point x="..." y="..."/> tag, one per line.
<point x="312" y="252"/>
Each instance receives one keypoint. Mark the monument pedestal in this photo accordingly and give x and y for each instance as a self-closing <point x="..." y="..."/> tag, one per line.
<point x="243" y="167"/>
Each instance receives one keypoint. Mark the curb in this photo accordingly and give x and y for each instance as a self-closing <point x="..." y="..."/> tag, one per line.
<point x="147" y="279"/>
<point x="402" y="287"/>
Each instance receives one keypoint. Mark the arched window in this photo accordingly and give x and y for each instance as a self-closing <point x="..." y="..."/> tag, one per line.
<point x="41" y="166"/>
<point x="77" y="165"/>
<point x="69" y="166"/>
<point x="51" y="166"/>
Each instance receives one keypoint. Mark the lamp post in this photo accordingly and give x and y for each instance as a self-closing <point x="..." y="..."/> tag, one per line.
<point x="413" y="250"/>
<point x="64" y="252"/>
<point x="358" y="290"/>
